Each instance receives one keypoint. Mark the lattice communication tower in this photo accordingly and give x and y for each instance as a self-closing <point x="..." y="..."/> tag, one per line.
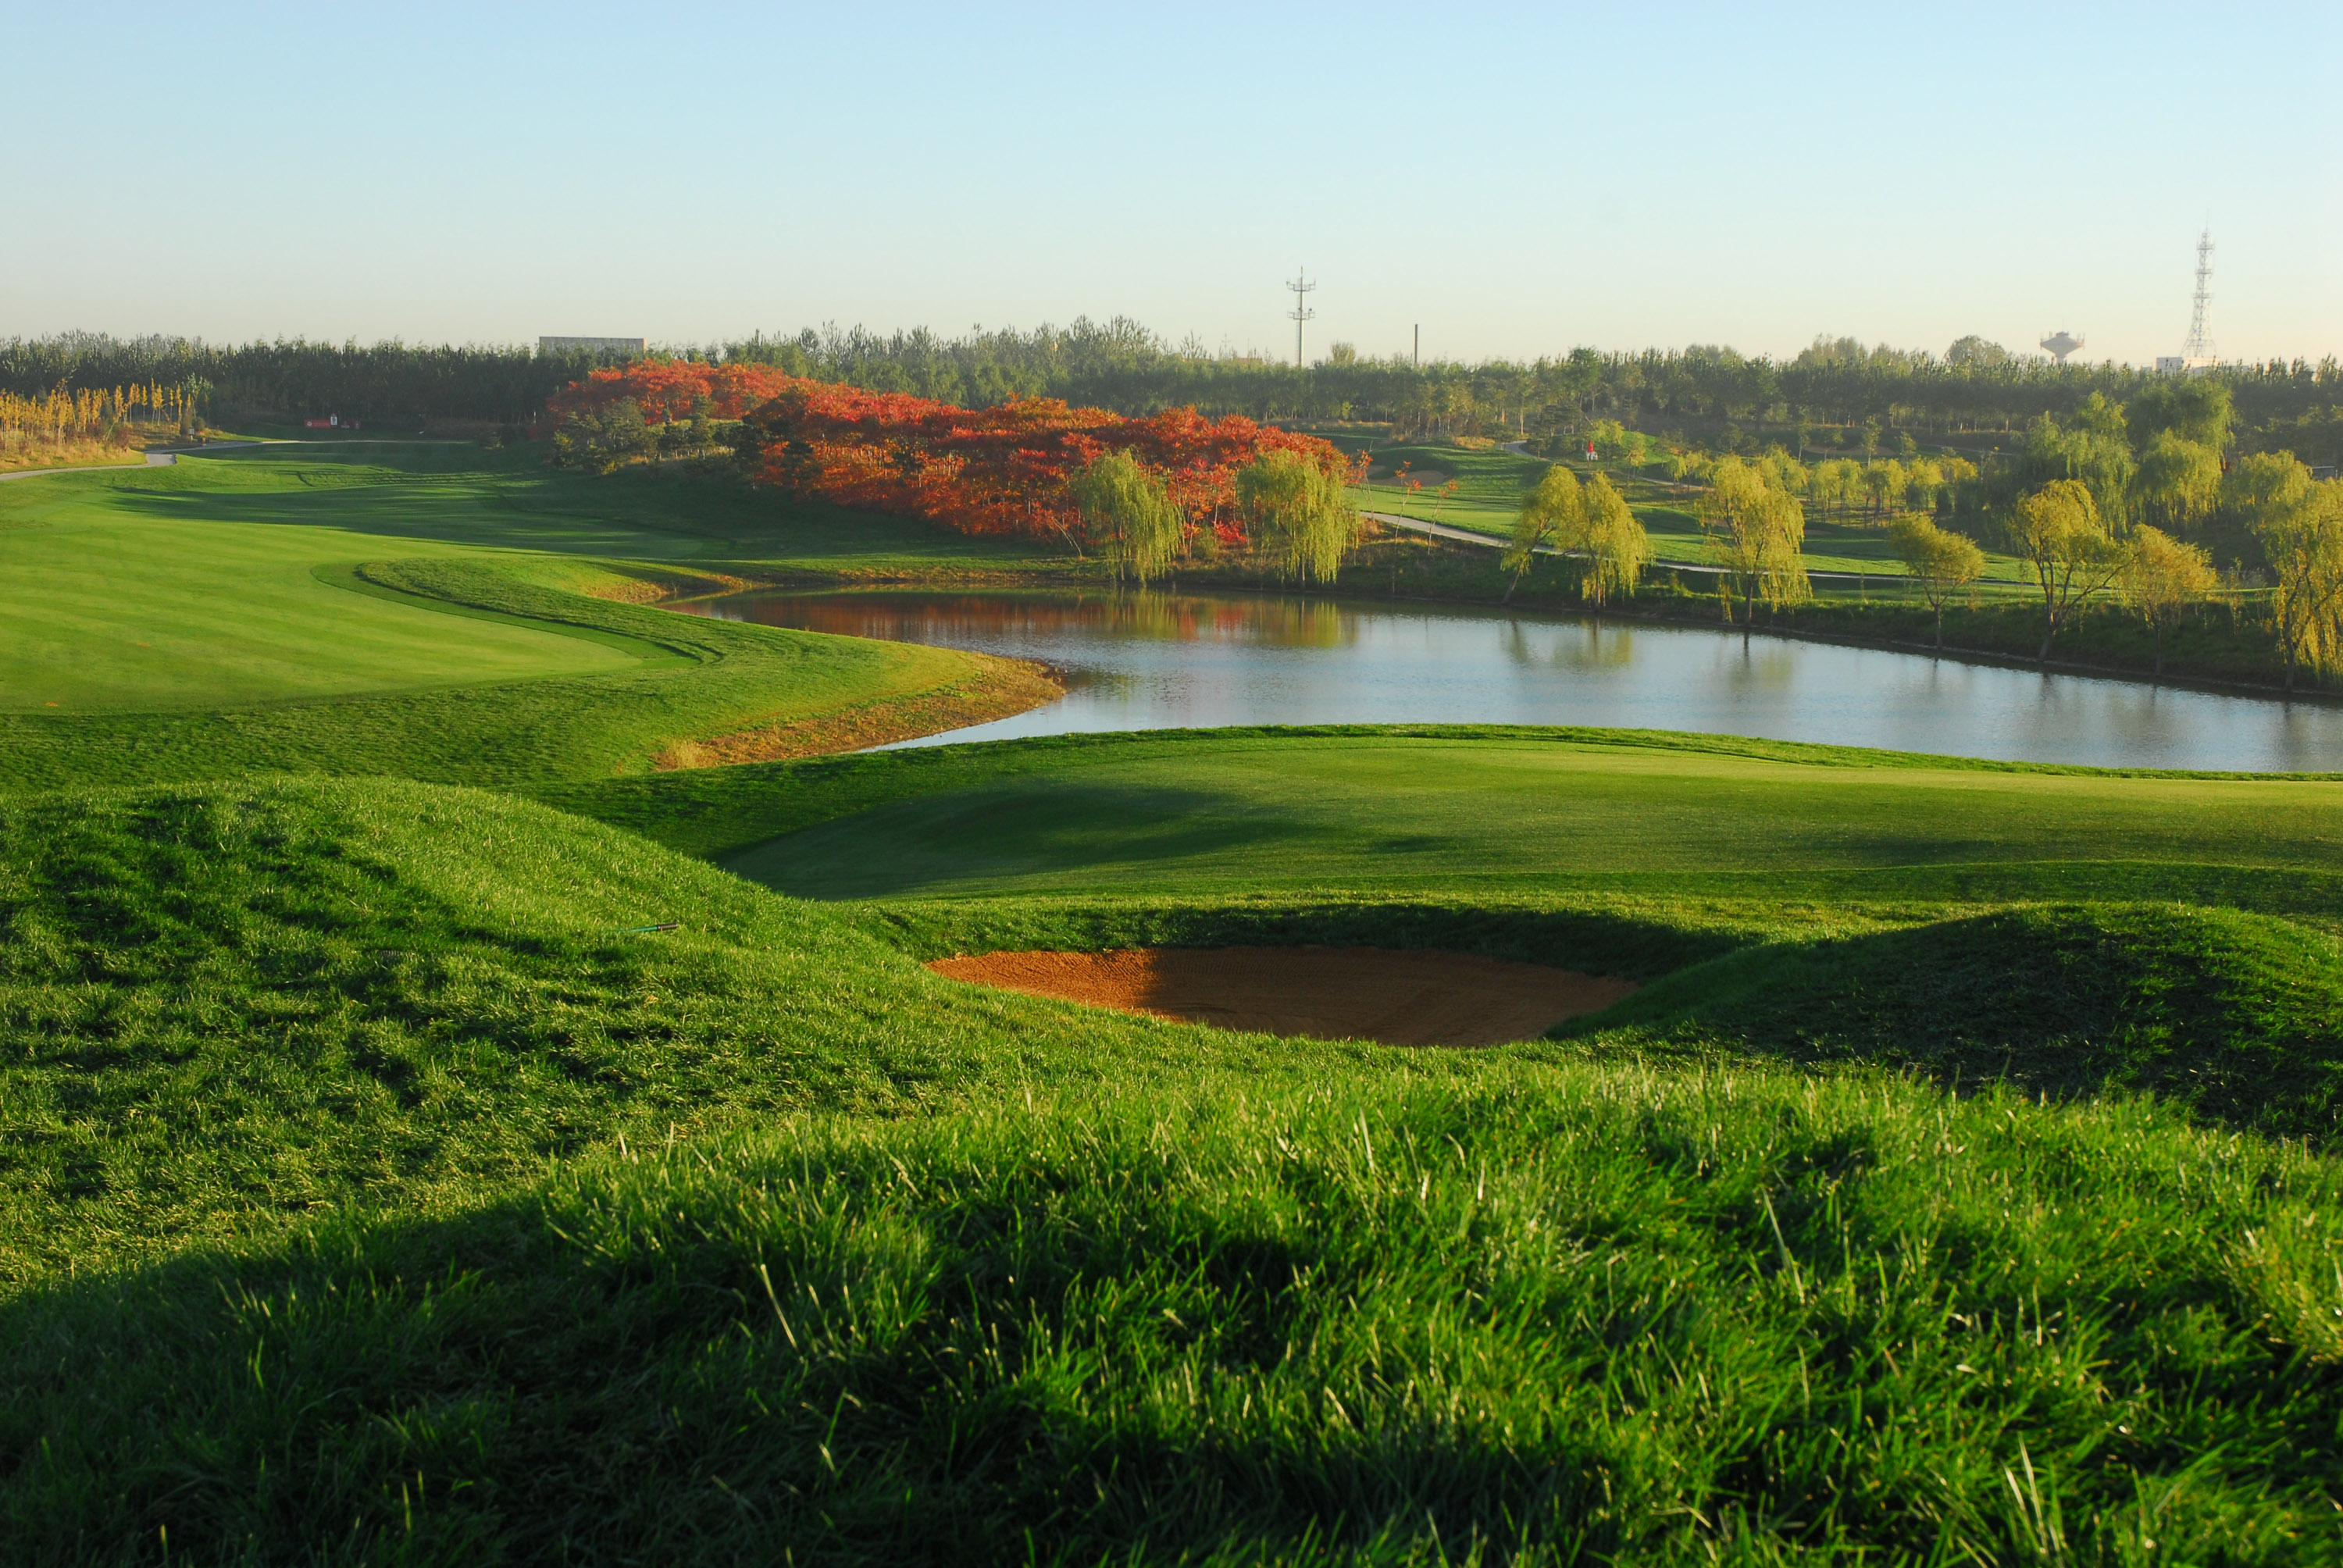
<point x="1301" y="312"/>
<point x="2199" y="347"/>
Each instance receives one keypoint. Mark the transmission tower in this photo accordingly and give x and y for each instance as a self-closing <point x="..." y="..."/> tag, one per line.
<point x="1301" y="312"/>
<point x="2199" y="347"/>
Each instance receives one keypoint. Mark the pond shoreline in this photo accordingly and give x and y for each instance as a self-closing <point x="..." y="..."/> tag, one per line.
<point x="1208" y="578"/>
<point x="1211" y="653"/>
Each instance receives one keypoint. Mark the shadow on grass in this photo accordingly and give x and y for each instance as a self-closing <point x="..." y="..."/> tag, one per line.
<point x="1591" y="941"/>
<point x="1002" y="832"/>
<point x="2238" y="1017"/>
<point x="1160" y="1333"/>
<point x="890" y="1386"/>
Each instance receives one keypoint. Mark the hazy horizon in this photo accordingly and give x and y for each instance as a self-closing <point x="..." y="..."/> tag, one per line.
<point x="1532" y="183"/>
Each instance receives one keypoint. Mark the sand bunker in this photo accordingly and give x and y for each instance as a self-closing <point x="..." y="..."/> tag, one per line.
<point x="1401" y="998"/>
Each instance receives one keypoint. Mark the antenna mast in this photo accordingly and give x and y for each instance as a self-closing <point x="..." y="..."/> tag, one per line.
<point x="1301" y="312"/>
<point x="2199" y="347"/>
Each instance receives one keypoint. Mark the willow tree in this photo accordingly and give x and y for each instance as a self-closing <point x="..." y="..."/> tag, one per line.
<point x="1757" y="534"/>
<point x="2057" y="532"/>
<point x="1127" y="515"/>
<point x="1617" y="545"/>
<point x="1552" y="518"/>
<point x="1297" y="516"/>
<point x="2178" y="480"/>
<point x="2304" y="542"/>
<point x="1941" y="564"/>
<point x="2161" y="578"/>
<point x="2261" y="486"/>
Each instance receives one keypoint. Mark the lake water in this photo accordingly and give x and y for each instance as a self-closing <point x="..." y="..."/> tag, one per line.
<point x="1161" y="661"/>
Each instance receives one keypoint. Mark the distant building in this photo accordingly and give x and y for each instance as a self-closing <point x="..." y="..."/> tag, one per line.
<point x="589" y="345"/>
<point x="2180" y="364"/>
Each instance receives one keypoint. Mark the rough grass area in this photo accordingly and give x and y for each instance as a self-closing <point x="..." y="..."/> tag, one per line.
<point x="222" y="1006"/>
<point x="377" y="1191"/>
<point x="1543" y="1314"/>
<point x="2238" y="1017"/>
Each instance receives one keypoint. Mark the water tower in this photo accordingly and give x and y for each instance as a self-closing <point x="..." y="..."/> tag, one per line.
<point x="2062" y="343"/>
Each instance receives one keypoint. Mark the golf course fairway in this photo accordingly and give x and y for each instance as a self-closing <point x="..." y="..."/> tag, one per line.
<point x="446" y="1118"/>
<point x="273" y="612"/>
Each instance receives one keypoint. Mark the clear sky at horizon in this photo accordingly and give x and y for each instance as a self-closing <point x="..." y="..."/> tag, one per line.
<point x="1518" y="180"/>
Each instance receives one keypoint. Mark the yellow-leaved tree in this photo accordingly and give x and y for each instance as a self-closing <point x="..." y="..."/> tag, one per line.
<point x="2303" y="539"/>
<point x="2161" y="578"/>
<point x="1756" y="533"/>
<point x="1552" y="518"/>
<point x="1297" y="515"/>
<point x="2057" y="532"/>
<point x="1941" y="564"/>
<point x="1617" y="545"/>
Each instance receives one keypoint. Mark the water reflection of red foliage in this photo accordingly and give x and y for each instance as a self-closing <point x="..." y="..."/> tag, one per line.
<point x="1000" y="470"/>
<point x="956" y="620"/>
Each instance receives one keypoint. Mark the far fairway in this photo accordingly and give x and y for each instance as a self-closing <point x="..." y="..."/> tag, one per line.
<point x="432" y="612"/>
<point x="106" y="615"/>
<point x="1225" y="811"/>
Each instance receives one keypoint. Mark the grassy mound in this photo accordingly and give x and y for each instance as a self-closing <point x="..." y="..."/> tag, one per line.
<point x="221" y="1006"/>
<point x="376" y="1190"/>
<point x="2237" y="1016"/>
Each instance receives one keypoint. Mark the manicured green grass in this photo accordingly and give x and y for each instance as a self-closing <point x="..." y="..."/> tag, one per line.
<point x="508" y="500"/>
<point x="374" y="1192"/>
<point x="282" y="612"/>
<point x="1489" y="485"/>
<point x="112" y="612"/>
<point x="1532" y="810"/>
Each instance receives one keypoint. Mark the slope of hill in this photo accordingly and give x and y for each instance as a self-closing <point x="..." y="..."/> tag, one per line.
<point x="378" y="1189"/>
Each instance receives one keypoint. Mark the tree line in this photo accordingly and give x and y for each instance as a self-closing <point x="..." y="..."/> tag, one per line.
<point x="1835" y="390"/>
<point x="2140" y="500"/>
<point x="383" y="384"/>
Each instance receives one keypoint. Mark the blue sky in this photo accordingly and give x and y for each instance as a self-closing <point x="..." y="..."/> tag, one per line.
<point x="1518" y="180"/>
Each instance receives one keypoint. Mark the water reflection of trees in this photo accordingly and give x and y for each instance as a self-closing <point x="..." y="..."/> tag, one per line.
<point x="1151" y="615"/>
<point x="1449" y="662"/>
<point x="1589" y="645"/>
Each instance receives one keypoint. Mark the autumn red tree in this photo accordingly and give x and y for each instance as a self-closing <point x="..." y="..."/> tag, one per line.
<point x="1007" y="469"/>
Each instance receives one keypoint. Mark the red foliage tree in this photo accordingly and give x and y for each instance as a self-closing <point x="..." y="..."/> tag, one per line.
<point x="666" y="389"/>
<point x="1001" y="470"/>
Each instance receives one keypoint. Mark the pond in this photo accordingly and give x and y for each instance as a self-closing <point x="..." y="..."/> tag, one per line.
<point x="1159" y="660"/>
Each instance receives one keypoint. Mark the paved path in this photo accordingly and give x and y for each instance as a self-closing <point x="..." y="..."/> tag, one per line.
<point x="1488" y="541"/>
<point x="162" y="456"/>
<point x="152" y="460"/>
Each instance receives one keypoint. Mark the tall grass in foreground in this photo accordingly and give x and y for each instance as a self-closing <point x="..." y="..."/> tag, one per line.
<point x="1554" y="1314"/>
